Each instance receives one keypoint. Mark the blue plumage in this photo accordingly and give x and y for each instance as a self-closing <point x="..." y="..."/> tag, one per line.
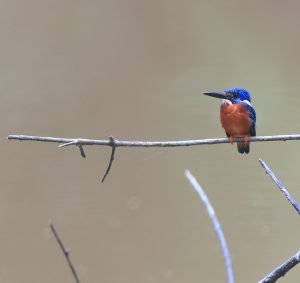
<point x="243" y="96"/>
<point x="241" y="93"/>
<point x="252" y="116"/>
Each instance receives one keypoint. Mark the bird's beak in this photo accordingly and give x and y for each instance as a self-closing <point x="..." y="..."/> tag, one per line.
<point x="221" y="95"/>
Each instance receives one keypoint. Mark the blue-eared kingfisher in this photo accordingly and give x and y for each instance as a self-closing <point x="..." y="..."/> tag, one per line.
<point x="237" y="115"/>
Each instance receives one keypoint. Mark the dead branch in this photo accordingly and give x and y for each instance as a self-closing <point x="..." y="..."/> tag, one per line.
<point x="215" y="222"/>
<point x="65" y="252"/>
<point x="281" y="270"/>
<point x="280" y="186"/>
<point x="83" y="142"/>
<point x="113" y="143"/>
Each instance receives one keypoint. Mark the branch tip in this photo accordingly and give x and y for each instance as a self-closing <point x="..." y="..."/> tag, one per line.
<point x="68" y="143"/>
<point x="82" y="153"/>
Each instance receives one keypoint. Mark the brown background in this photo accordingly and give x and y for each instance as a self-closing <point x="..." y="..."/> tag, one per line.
<point x="136" y="70"/>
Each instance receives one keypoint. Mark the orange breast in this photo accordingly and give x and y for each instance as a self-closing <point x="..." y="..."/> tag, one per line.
<point x="235" y="119"/>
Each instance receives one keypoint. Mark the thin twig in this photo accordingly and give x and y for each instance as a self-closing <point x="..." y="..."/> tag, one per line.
<point x="77" y="141"/>
<point x="113" y="149"/>
<point x="73" y="142"/>
<point x="281" y="270"/>
<point x="280" y="186"/>
<point x="215" y="222"/>
<point x="65" y="252"/>
<point x="82" y="153"/>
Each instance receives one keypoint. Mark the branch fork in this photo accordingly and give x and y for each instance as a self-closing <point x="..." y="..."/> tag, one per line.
<point x="79" y="143"/>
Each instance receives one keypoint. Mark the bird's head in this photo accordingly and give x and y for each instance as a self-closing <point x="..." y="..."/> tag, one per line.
<point x="232" y="95"/>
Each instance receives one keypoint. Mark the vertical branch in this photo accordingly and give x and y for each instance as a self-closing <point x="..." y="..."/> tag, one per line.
<point x="112" y="156"/>
<point x="215" y="222"/>
<point x="65" y="252"/>
<point x="280" y="186"/>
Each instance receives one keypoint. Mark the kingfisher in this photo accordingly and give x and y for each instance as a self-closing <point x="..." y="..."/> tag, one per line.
<point x="237" y="116"/>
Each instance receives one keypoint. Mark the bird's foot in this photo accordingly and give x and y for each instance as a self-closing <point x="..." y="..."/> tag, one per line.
<point x="246" y="139"/>
<point x="231" y="139"/>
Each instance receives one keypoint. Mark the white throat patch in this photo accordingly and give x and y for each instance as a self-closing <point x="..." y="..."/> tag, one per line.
<point x="226" y="101"/>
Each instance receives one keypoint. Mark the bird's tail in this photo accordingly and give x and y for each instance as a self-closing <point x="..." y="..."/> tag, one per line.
<point x="243" y="147"/>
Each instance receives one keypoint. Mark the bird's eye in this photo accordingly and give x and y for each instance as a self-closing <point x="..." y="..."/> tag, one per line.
<point x="232" y="95"/>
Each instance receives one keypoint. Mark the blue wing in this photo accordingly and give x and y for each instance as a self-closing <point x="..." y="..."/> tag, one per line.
<point x="252" y="116"/>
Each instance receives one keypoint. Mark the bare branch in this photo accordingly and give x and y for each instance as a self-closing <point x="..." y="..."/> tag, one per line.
<point x="280" y="186"/>
<point x="113" y="149"/>
<point x="79" y="141"/>
<point x="65" y="252"/>
<point x="215" y="222"/>
<point x="281" y="270"/>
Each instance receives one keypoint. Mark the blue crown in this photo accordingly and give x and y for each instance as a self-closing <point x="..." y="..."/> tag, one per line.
<point x="242" y="93"/>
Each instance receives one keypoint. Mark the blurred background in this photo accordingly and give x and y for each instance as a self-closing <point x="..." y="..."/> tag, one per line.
<point x="136" y="70"/>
